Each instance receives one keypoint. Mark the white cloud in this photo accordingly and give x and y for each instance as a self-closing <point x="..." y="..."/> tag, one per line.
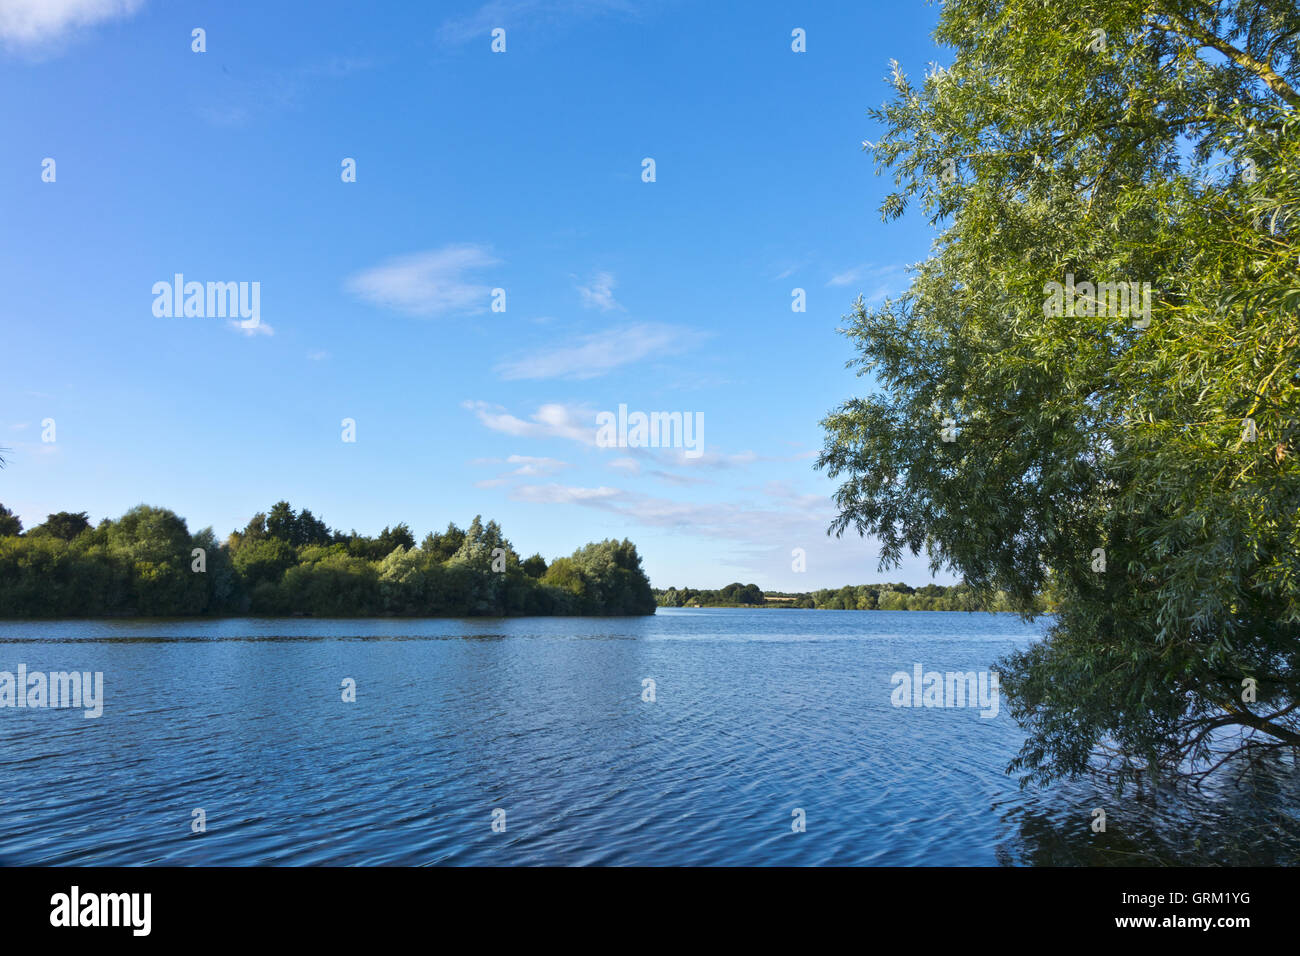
<point x="428" y="283"/>
<point x="262" y="328"/>
<point x="549" y="421"/>
<point x="564" y="494"/>
<point x="594" y="355"/>
<point x="529" y="466"/>
<point x="535" y="467"/>
<point x="599" y="293"/>
<point x="35" y="22"/>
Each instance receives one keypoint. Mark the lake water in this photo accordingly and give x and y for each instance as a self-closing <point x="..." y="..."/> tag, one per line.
<point x="757" y="714"/>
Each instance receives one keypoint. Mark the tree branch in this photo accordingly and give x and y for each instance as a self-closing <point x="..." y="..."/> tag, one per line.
<point x="1189" y="30"/>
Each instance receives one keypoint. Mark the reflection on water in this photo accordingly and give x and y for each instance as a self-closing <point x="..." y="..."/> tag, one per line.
<point x="756" y="714"/>
<point x="1246" y="818"/>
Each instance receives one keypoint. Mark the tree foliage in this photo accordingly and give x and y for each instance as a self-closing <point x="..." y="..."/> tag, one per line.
<point x="861" y="597"/>
<point x="10" y="523"/>
<point x="65" y="524"/>
<point x="1146" y="472"/>
<point x="147" y="563"/>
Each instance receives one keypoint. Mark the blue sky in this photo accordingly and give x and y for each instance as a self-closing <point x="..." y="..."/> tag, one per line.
<point x="475" y="170"/>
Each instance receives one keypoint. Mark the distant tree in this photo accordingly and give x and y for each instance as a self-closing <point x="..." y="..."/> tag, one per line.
<point x="220" y="584"/>
<point x="891" y="600"/>
<point x="10" y="523"/>
<point x="566" y="576"/>
<point x="155" y="544"/>
<point x="534" y="567"/>
<point x="737" y="593"/>
<point x="264" y="561"/>
<point x="612" y="577"/>
<point x="479" y="543"/>
<point x="397" y="536"/>
<point x="310" y="530"/>
<point x="255" y="530"/>
<point x="443" y="546"/>
<point x="282" y="523"/>
<point x="63" y="524"/>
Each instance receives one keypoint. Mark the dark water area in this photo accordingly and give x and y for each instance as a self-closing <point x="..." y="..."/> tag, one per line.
<point x="756" y="714"/>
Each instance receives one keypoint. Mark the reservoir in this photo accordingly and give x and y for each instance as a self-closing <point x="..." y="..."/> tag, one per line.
<point x="758" y="719"/>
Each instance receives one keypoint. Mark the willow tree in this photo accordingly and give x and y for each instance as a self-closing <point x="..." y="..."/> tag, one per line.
<point x="1136" y="457"/>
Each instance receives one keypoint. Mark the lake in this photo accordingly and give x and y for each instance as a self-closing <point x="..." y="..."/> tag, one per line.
<point x="756" y="715"/>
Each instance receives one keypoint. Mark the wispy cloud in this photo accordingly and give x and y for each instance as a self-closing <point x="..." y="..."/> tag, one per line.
<point x="534" y="467"/>
<point x="428" y="283"/>
<point x="789" y="267"/>
<point x="599" y="292"/>
<point x="35" y="23"/>
<point x="715" y="460"/>
<point x="710" y="460"/>
<point x="517" y="13"/>
<point x="883" y="281"/>
<point x="227" y="115"/>
<point x="526" y="466"/>
<point x="675" y="479"/>
<point x="564" y="494"/>
<point x="549" y="421"/>
<point x="848" y="276"/>
<point x="262" y="328"/>
<point x="243" y="94"/>
<point x="594" y="355"/>
<point x="778" y="520"/>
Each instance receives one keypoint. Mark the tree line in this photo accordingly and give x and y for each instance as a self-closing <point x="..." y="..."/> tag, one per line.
<point x="148" y="564"/>
<point x="862" y="597"/>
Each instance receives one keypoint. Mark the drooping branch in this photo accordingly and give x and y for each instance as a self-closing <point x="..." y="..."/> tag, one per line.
<point x="1181" y="26"/>
<point x="1266" y="725"/>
